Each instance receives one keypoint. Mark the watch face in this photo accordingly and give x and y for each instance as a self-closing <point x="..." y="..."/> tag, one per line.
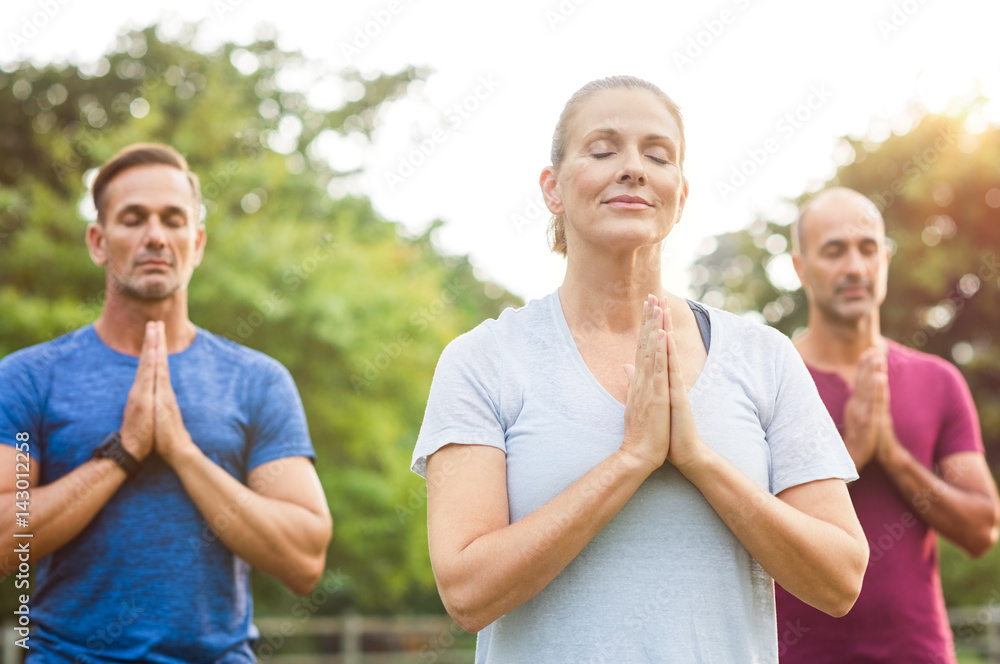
<point x="111" y="442"/>
<point x="113" y="449"/>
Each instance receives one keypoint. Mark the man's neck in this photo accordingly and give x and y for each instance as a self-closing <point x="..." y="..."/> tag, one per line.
<point x="838" y="347"/>
<point x="122" y="323"/>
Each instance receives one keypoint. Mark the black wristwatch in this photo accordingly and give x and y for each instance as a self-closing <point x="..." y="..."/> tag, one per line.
<point x="113" y="449"/>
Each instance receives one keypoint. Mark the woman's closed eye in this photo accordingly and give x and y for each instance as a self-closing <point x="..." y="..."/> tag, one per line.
<point x="659" y="160"/>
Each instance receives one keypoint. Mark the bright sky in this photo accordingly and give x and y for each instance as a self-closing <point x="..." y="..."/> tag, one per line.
<point x="775" y="80"/>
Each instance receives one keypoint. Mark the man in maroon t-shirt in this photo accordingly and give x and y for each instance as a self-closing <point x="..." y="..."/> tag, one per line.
<point x="910" y="425"/>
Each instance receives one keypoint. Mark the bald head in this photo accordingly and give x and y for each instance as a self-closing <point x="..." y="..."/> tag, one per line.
<point x="844" y="207"/>
<point x="840" y="256"/>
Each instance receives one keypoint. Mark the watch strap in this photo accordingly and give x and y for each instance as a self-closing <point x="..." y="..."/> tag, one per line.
<point x="113" y="449"/>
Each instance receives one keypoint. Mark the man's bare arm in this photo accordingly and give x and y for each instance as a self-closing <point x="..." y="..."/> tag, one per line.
<point x="961" y="503"/>
<point x="280" y="524"/>
<point x="59" y="511"/>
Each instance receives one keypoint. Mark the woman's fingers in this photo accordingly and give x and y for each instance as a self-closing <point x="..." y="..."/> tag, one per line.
<point x="678" y="386"/>
<point x="647" y="409"/>
<point x="661" y="379"/>
<point x="640" y="349"/>
<point x="645" y="357"/>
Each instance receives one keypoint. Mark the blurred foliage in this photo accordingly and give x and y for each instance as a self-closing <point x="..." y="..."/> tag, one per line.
<point x="357" y="311"/>
<point x="938" y="187"/>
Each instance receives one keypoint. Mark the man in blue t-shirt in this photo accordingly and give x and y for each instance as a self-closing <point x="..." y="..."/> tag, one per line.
<point x="155" y="462"/>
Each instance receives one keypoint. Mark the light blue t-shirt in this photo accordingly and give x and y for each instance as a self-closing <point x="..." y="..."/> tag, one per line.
<point x="147" y="579"/>
<point x="665" y="580"/>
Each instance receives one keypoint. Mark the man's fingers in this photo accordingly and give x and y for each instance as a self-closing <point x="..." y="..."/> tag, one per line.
<point x="880" y="390"/>
<point x="162" y="365"/>
<point x="886" y="395"/>
<point x="147" y="357"/>
<point x="864" y="381"/>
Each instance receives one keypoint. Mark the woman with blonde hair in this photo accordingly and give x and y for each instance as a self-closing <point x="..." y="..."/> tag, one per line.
<point x="616" y="474"/>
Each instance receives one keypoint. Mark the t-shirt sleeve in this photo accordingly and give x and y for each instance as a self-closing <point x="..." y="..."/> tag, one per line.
<point x="960" y="430"/>
<point x="20" y="404"/>
<point x="464" y="402"/>
<point x="278" y="426"/>
<point x="804" y="442"/>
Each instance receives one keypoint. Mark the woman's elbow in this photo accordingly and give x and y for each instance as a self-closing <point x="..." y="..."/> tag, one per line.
<point x="468" y="620"/>
<point x="848" y="587"/>
<point x="464" y="605"/>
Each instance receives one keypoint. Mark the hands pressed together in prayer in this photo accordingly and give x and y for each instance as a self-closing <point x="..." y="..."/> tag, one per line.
<point x="152" y="420"/>
<point x="659" y="425"/>
<point x="868" y="430"/>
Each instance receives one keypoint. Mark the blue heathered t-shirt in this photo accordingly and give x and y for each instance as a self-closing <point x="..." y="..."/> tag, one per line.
<point x="147" y="579"/>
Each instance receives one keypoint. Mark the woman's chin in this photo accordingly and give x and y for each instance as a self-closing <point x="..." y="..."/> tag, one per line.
<point x="624" y="237"/>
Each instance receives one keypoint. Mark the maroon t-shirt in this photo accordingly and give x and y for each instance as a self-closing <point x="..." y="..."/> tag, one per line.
<point x="900" y="614"/>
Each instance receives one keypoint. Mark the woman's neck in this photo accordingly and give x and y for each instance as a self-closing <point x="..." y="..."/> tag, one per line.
<point x="605" y="292"/>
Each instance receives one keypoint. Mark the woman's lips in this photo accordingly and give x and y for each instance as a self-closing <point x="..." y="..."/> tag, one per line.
<point x="628" y="203"/>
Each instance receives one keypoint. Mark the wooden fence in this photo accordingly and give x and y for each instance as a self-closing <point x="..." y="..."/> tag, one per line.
<point x="353" y="639"/>
<point x="977" y="632"/>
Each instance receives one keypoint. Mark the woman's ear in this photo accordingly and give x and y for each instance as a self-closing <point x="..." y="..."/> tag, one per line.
<point x="682" y="198"/>
<point x="550" y="191"/>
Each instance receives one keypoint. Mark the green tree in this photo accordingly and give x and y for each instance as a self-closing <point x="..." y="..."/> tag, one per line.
<point x="938" y="187"/>
<point x="357" y="311"/>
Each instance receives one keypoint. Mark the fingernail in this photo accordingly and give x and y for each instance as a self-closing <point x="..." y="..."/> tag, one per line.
<point x="657" y="312"/>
